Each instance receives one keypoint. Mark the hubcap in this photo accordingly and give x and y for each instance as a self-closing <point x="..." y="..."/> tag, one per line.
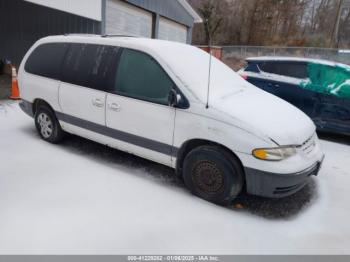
<point x="208" y="177"/>
<point x="45" y="124"/>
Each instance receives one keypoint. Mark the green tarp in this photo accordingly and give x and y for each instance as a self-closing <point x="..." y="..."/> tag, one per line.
<point x="328" y="79"/>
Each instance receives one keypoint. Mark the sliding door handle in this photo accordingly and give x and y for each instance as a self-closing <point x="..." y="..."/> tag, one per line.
<point x="114" y="107"/>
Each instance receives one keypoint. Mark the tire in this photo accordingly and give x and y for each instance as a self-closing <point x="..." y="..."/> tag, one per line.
<point x="213" y="174"/>
<point x="47" y="125"/>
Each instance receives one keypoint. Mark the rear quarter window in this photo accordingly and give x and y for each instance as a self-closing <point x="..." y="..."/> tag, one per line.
<point x="252" y="67"/>
<point x="46" y="60"/>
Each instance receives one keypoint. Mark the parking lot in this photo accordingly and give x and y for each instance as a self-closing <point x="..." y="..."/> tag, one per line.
<point x="81" y="197"/>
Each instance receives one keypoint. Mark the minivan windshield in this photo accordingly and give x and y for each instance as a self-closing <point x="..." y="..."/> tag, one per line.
<point x="191" y="66"/>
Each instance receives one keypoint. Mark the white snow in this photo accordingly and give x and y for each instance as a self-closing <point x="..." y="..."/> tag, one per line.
<point x="82" y="198"/>
<point x="231" y="95"/>
<point x="188" y="63"/>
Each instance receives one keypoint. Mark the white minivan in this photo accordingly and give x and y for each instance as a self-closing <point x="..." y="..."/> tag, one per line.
<point x="149" y="98"/>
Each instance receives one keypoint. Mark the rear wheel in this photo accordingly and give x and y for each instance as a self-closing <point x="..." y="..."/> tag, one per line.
<point x="213" y="174"/>
<point x="47" y="125"/>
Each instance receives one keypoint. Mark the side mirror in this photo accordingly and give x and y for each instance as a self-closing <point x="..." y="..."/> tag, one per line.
<point x="174" y="98"/>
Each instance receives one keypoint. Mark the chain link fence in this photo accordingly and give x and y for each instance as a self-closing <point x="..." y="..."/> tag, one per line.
<point x="234" y="56"/>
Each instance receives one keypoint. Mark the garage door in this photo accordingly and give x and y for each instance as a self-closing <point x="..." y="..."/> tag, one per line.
<point x="125" y="19"/>
<point x="169" y="30"/>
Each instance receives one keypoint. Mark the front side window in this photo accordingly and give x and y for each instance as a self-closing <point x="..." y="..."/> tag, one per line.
<point x="140" y="76"/>
<point x="46" y="60"/>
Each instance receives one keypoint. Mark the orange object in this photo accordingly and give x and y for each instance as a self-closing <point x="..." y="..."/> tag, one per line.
<point x="238" y="206"/>
<point x="215" y="51"/>
<point x="15" y="89"/>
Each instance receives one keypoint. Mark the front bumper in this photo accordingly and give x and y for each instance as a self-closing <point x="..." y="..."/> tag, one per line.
<point x="266" y="184"/>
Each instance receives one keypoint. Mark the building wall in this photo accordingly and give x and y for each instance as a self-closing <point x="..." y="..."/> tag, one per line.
<point x="86" y="8"/>
<point x="125" y="19"/>
<point x="168" y="8"/>
<point x="22" y="23"/>
<point x="164" y="19"/>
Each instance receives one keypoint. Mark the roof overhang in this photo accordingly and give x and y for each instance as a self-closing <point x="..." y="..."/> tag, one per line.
<point x="191" y="11"/>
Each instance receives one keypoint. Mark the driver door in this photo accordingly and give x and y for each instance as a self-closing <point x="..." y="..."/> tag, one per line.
<point x="137" y="109"/>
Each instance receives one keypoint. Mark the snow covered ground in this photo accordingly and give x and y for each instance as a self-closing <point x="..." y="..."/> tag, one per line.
<point x="80" y="197"/>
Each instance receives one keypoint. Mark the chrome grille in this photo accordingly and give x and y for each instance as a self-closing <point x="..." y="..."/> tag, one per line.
<point x="308" y="146"/>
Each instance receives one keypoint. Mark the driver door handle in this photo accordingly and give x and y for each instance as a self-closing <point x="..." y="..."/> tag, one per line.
<point x="273" y="85"/>
<point x="98" y="102"/>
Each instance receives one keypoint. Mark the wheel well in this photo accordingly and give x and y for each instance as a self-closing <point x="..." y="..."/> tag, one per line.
<point x="39" y="102"/>
<point x="192" y="144"/>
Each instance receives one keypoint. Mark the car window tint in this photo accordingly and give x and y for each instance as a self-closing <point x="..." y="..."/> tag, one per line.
<point x="269" y="67"/>
<point x="290" y="69"/>
<point x="296" y="70"/>
<point x="46" y="60"/>
<point x="252" y="67"/>
<point x="90" y="66"/>
<point x="140" y="76"/>
<point x="103" y="70"/>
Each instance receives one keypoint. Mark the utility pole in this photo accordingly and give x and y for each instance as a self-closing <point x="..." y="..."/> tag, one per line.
<point x="335" y="38"/>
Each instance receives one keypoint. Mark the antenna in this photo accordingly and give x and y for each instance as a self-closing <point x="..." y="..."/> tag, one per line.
<point x="210" y="57"/>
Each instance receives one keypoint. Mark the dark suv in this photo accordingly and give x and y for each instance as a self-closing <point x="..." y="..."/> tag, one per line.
<point x="320" y="88"/>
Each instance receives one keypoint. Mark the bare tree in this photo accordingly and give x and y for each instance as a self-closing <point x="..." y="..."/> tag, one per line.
<point x="211" y="20"/>
<point x="272" y="22"/>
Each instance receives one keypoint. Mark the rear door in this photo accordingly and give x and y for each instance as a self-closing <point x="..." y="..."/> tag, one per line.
<point x="284" y="80"/>
<point x="137" y="110"/>
<point x="333" y="113"/>
<point x="333" y="105"/>
<point x="82" y="93"/>
<point x="346" y="106"/>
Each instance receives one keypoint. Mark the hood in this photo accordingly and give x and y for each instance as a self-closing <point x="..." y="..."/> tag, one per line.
<point x="266" y="114"/>
<point x="247" y="106"/>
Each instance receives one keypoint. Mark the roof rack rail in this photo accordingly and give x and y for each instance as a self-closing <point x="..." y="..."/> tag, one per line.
<point x="107" y="35"/>
<point x="77" y="34"/>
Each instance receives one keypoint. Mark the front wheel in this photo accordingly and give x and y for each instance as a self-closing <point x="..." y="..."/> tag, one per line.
<point x="47" y="125"/>
<point x="213" y="174"/>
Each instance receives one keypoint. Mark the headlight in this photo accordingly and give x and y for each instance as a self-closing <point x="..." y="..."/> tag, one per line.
<point x="275" y="154"/>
